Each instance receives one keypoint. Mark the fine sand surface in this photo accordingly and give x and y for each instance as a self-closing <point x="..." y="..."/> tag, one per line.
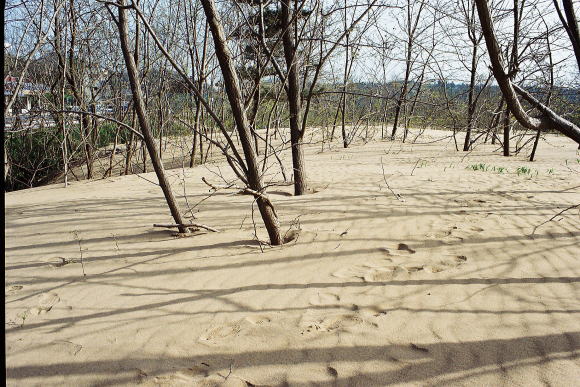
<point x="436" y="280"/>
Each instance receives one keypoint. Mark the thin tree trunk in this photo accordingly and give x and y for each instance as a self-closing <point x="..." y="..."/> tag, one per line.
<point x="296" y="134"/>
<point x="570" y="23"/>
<point x="232" y="87"/>
<point x="506" y="133"/>
<point x="143" y="119"/>
<point x="494" y="122"/>
<point x="201" y="75"/>
<point x="129" y="145"/>
<point x="549" y="98"/>
<point x="413" y="105"/>
<point x="549" y="119"/>
<point x="471" y="103"/>
<point x="411" y="27"/>
<point x="345" y="80"/>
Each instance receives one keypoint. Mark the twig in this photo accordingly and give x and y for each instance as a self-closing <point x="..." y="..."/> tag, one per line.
<point x="189" y="208"/>
<point x="122" y="124"/>
<point x="467" y="154"/>
<point x="256" y="194"/>
<point x="116" y="243"/>
<point x="141" y="177"/>
<point x="188" y="225"/>
<point x="78" y="239"/>
<point x="553" y="217"/>
<point x="417" y="163"/>
<point x="399" y="197"/>
<point x="255" y="229"/>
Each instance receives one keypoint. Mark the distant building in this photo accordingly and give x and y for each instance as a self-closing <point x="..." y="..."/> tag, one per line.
<point x="28" y="97"/>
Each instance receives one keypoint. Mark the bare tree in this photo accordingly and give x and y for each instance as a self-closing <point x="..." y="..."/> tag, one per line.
<point x="237" y="105"/>
<point x="548" y="119"/>
<point x="138" y="101"/>
<point x="411" y="25"/>
<point x="570" y="24"/>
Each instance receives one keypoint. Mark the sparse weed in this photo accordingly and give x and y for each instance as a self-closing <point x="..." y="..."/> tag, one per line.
<point x="479" y="167"/>
<point x="485" y="168"/>
<point x="526" y="171"/>
<point x="523" y="170"/>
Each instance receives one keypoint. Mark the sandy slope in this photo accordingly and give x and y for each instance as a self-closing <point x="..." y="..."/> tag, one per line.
<point x="444" y="286"/>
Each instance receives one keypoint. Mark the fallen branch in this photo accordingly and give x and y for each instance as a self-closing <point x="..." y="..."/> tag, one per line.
<point x="189" y="225"/>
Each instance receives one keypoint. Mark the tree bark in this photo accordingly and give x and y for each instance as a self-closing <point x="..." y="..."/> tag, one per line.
<point x="234" y="94"/>
<point x="471" y="104"/>
<point x="139" y="104"/>
<point x="294" y="101"/>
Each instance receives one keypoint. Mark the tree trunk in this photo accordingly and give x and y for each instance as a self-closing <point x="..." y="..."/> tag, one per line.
<point x="296" y="134"/>
<point x="144" y="119"/>
<point x="234" y="94"/>
<point x="506" y="133"/>
<point x="345" y="80"/>
<point x="402" y="97"/>
<point x="471" y="103"/>
<point x="549" y="119"/>
<point x="570" y="23"/>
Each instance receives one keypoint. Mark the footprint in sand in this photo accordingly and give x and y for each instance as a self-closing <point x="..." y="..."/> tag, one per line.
<point x="196" y="375"/>
<point x="316" y="322"/>
<point x="221" y="333"/>
<point x="422" y="261"/>
<point x="351" y="272"/>
<point x="13" y="289"/>
<point x="445" y="264"/>
<point x="258" y="320"/>
<point x="372" y="315"/>
<point x="454" y="233"/>
<point x="372" y="311"/>
<point x="401" y="263"/>
<point x="314" y="189"/>
<point x="407" y="353"/>
<point x="463" y="232"/>
<point x="438" y="234"/>
<point x="386" y="274"/>
<point x="324" y="299"/>
<point x="185" y="376"/>
<point x="64" y="346"/>
<point x="372" y="272"/>
<point x="45" y="303"/>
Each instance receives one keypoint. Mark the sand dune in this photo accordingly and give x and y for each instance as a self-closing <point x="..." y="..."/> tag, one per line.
<point x="442" y="278"/>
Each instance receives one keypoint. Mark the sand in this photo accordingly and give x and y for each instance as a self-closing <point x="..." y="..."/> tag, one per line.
<point x="436" y="280"/>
